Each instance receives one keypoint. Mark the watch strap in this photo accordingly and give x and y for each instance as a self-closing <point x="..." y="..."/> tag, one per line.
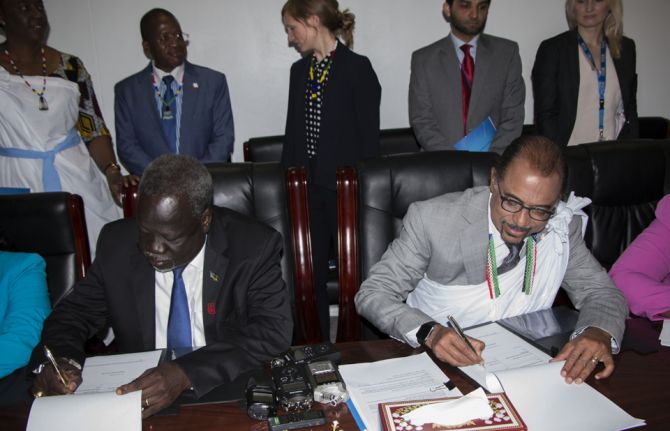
<point x="424" y="331"/>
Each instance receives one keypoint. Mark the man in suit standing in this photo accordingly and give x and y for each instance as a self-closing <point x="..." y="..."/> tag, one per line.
<point x="184" y="275"/>
<point x="460" y="80"/>
<point x="171" y="106"/>
<point x="494" y="252"/>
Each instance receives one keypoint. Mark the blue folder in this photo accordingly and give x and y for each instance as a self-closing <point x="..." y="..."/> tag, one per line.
<point x="13" y="190"/>
<point x="479" y="138"/>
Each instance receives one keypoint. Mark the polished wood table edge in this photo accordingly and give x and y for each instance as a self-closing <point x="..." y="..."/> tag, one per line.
<point x="639" y="385"/>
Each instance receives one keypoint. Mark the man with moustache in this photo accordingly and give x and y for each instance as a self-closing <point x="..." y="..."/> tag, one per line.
<point x="460" y="80"/>
<point x="203" y="282"/>
<point x="171" y="106"/>
<point x="494" y="252"/>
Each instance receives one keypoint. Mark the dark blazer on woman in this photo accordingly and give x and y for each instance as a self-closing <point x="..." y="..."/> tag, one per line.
<point x="556" y="86"/>
<point x="349" y="118"/>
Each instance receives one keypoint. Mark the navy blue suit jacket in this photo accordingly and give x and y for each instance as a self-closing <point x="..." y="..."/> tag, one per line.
<point x="207" y="131"/>
<point x="349" y="120"/>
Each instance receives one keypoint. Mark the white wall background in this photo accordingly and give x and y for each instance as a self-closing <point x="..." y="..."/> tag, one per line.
<point x="245" y="40"/>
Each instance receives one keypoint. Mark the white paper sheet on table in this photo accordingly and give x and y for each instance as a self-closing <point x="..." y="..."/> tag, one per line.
<point x="95" y="405"/>
<point x="537" y="390"/>
<point x="414" y="377"/>
<point x="104" y="411"/>
<point x="504" y="350"/>
<point x="106" y="373"/>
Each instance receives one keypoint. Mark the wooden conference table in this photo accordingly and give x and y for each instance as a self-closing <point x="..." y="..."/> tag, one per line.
<point x="640" y="385"/>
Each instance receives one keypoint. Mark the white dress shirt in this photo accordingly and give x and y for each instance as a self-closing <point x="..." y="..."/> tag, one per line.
<point x="192" y="276"/>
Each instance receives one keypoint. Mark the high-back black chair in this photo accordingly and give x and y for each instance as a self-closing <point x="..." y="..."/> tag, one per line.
<point x="374" y="197"/>
<point x="52" y="225"/>
<point x="654" y="128"/>
<point x="263" y="149"/>
<point x="268" y="194"/>
<point x="625" y="180"/>
<point x="269" y="148"/>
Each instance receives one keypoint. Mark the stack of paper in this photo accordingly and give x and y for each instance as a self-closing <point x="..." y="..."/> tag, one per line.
<point x="410" y="378"/>
<point x="95" y="405"/>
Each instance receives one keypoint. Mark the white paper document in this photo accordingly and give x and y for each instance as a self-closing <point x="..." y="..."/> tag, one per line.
<point x="414" y="377"/>
<point x="504" y="350"/>
<point x="95" y="405"/>
<point x="536" y="388"/>
<point x="106" y="373"/>
<point x="547" y="403"/>
<point x="101" y="412"/>
<point x="665" y="334"/>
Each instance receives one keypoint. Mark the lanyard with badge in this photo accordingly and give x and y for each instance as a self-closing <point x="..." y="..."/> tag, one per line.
<point x="602" y="77"/>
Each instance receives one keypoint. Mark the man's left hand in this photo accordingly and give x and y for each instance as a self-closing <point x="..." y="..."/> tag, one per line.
<point x="160" y="386"/>
<point x="582" y="355"/>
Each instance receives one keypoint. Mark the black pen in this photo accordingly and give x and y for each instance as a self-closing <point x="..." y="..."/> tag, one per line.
<point x="51" y="359"/>
<point x="459" y="331"/>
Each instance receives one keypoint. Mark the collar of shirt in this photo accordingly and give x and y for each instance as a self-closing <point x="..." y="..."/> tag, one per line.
<point x="177" y="73"/>
<point x="457" y="46"/>
<point x="193" y="276"/>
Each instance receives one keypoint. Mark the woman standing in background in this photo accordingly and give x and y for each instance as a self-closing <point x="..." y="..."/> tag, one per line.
<point x="332" y="119"/>
<point x="584" y="80"/>
<point x="52" y="134"/>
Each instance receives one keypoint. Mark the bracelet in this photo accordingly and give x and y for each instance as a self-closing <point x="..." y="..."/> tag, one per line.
<point x="111" y="165"/>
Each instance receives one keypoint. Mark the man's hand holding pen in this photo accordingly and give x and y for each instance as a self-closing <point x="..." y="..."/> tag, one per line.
<point x="49" y="383"/>
<point x="450" y="347"/>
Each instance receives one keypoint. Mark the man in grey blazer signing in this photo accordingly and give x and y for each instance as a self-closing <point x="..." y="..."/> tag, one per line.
<point x="460" y="80"/>
<point x="494" y="252"/>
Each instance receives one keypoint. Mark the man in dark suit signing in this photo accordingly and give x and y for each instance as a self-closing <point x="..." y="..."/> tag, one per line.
<point x="460" y="80"/>
<point x="171" y="106"/>
<point x="183" y="275"/>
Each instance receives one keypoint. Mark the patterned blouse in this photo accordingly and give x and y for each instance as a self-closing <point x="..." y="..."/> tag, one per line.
<point x="90" y="124"/>
<point x="319" y="73"/>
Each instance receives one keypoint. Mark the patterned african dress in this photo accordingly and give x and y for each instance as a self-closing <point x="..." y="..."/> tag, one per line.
<point x="62" y="132"/>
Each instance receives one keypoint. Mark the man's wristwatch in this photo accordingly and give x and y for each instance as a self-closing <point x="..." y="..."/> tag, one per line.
<point x="424" y="332"/>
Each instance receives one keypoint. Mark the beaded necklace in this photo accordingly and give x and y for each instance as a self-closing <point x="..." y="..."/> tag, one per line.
<point x="492" y="268"/>
<point x="166" y="112"/>
<point x="315" y="84"/>
<point x="43" y="106"/>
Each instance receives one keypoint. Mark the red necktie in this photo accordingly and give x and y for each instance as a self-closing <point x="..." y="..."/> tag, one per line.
<point x="467" y="73"/>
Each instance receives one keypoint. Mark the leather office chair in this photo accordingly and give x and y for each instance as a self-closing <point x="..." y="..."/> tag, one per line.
<point x="654" y="128"/>
<point x="52" y="225"/>
<point x="374" y="197"/>
<point x="625" y="180"/>
<point x="269" y="148"/>
<point x="263" y="149"/>
<point x="264" y="192"/>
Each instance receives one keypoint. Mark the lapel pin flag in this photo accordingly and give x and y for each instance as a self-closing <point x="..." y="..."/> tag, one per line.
<point x="195" y="85"/>
<point x="214" y="277"/>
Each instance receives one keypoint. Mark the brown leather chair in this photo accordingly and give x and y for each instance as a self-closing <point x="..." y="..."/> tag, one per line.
<point x="279" y="199"/>
<point x="52" y="225"/>
<point x="372" y="200"/>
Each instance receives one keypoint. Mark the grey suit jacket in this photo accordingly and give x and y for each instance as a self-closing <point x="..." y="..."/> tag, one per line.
<point x="435" y="101"/>
<point x="446" y="238"/>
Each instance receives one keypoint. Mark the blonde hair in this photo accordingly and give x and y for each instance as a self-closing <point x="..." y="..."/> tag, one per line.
<point x="612" y="27"/>
<point x="340" y="23"/>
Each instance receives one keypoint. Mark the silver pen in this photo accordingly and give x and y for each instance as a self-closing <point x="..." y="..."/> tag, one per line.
<point x="459" y="331"/>
<point x="51" y="359"/>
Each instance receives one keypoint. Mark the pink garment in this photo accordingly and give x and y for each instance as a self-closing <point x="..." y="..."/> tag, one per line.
<point x="642" y="272"/>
